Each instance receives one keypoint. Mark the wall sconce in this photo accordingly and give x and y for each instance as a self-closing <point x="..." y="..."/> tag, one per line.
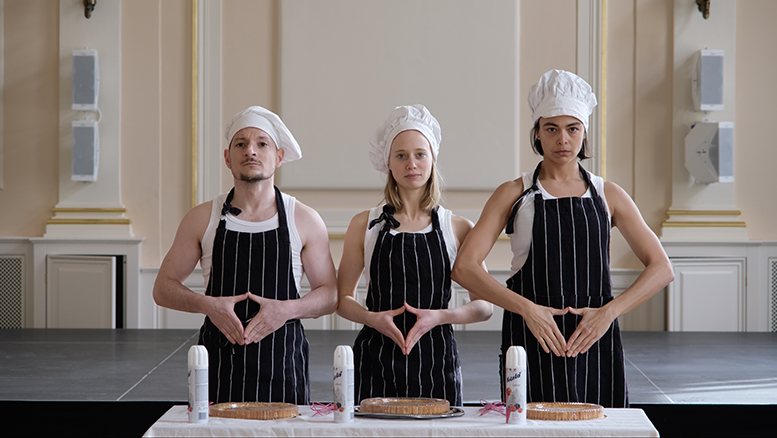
<point x="89" y="7"/>
<point x="704" y="8"/>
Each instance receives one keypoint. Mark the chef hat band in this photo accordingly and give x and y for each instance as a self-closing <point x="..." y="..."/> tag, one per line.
<point x="269" y="122"/>
<point x="404" y="118"/>
<point x="255" y="121"/>
<point x="561" y="93"/>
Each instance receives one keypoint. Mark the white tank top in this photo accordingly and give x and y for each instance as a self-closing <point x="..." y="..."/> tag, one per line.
<point x="371" y="236"/>
<point x="520" y="240"/>
<point x="235" y="224"/>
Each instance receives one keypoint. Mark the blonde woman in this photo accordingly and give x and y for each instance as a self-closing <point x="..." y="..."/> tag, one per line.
<point x="408" y="246"/>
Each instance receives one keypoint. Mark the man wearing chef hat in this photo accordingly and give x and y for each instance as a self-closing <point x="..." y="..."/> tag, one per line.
<point x="253" y="245"/>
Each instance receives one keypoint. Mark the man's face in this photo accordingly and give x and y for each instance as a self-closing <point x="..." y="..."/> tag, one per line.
<point x="252" y="155"/>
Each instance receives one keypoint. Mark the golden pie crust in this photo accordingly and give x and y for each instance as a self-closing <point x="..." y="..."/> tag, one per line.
<point x="404" y="406"/>
<point x="563" y="411"/>
<point x="254" y="410"/>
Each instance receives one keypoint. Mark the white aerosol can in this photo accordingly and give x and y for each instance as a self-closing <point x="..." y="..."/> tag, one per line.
<point x="343" y="384"/>
<point x="198" y="384"/>
<point x="515" y="384"/>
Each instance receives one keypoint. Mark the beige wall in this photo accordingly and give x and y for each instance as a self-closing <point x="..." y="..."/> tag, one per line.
<point x="156" y="114"/>
<point x="31" y="117"/>
<point x="156" y="120"/>
<point x="756" y="152"/>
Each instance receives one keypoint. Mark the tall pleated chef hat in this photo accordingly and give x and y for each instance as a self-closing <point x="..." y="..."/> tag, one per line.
<point x="561" y="93"/>
<point x="404" y="118"/>
<point x="269" y="122"/>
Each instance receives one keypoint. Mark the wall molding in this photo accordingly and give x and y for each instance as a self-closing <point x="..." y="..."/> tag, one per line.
<point x="207" y="133"/>
<point x="591" y="66"/>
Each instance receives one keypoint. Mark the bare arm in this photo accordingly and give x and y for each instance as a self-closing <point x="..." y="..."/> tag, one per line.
<point x="657" y="274"/>
<point x="468" y="270"/>
<point x="348" y="275"/>
<point x="179" y="263"/>
<point x="320" y="271"/>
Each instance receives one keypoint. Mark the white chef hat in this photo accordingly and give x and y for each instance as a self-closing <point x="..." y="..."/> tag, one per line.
<point x="404" y="118"/>
<point x="269" y="122"/>
<point x="561" y="93"/>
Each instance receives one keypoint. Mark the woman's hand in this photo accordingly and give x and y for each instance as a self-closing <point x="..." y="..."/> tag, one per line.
<point x="539" y="320"/>
<point x="426" y="320"/>
<point x="384" y="323"/>
<point x="595" y="323"/>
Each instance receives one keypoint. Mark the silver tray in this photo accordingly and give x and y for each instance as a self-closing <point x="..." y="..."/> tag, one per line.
<point x="454" y="412"/>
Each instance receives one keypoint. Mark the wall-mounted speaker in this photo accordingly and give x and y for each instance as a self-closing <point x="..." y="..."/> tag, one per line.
<point x="707" y="87"/>
<point x="86" y="80"/>
<point x="709" y="152"/>
<point x="85" y="158"/>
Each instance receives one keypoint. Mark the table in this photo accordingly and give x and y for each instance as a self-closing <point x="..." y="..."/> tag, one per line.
<point x="617" y="422"/>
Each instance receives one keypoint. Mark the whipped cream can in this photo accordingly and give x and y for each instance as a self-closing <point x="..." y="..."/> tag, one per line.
<point x="515" y="385"/>
<point x="343" y="384"/>
<point x="198" y="384"/>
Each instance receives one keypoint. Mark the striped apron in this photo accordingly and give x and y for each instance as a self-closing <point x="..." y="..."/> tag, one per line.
<point x="276" y="368"/>
<point x="568" y="265"/>
<point x="408" y="268"/>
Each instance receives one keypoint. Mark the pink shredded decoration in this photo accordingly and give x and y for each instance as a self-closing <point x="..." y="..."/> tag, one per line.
<point x="497" y="407"/>
<point x="322" y="409"/>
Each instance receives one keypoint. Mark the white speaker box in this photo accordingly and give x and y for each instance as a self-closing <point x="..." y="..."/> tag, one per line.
<point x="709" y="152"/>
<point x="85" y="157"/>
<point x="86" y="80"/>
<point x="707" y="89"/>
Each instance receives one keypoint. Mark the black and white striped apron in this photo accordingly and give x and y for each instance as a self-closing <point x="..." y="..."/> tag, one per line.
<point x="276" y="368"/>
<point x="408" y="268"/>
<point x="568" y="265"/>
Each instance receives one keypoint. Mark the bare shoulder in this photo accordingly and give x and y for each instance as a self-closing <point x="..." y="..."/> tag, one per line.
<point x="617" y="198"/>
<point x="503" y="198"/>
<point x="195" y="222"/>
<point x="461" y="227"/>
<point x="509" y="190"/>
<point x="623" y="209"/>
<point x="359" y="221"/>
<point x="358" y="227"/>
<point x="309" y="222"/>
<point x="461" y="222"/>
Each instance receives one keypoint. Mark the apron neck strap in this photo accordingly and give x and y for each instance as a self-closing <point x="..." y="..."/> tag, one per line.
<point x="388" y="216"/>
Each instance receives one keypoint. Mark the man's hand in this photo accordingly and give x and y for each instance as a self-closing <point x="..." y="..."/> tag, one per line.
<point x="426" y="320"/>
<point x="539" y="320"/>
<point x="384" y="323"/>
<point x="222" y="315"/>
<point x="590" y="329"/>
<point x="272" y="315"/>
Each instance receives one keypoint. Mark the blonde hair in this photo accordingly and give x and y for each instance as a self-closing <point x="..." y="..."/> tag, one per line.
<point x="432" y="193"/>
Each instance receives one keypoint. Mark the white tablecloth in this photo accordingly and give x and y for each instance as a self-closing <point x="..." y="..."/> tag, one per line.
<point x="617" y="422"/>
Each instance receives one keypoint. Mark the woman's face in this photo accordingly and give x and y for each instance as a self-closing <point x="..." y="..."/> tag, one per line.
<point x="561" y="137"/>
<point x="410" y="159"/>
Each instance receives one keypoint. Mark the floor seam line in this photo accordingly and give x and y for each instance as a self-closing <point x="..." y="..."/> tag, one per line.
<point x="650" y="380"/>
<point x="186" y="342"/>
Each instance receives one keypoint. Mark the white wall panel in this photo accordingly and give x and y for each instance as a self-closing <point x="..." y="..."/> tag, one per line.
<point x="345" y="64"/>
